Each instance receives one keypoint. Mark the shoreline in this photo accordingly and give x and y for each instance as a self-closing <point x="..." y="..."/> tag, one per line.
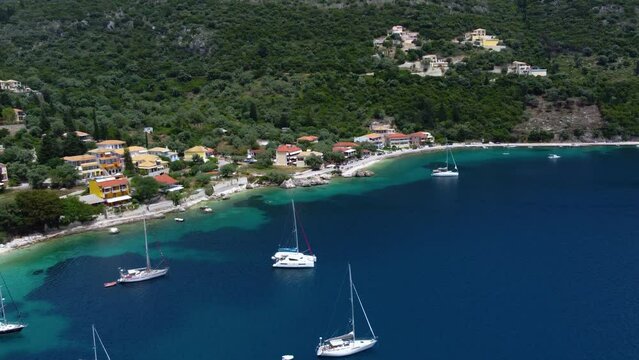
<point x="348" y="171"/>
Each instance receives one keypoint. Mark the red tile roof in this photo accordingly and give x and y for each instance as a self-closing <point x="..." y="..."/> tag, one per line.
<point x="288" y="148"/>
<point x="165" y="179"/>
<point x="397" y="136"/>
<point x="420" y="134"/>
<point x="111" y="183"/>
<point x="342" y="148"/>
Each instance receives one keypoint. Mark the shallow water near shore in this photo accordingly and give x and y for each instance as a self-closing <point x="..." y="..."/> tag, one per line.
<point x="521" y="257"/>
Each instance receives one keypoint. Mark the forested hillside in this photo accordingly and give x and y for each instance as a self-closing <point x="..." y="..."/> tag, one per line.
<point x="189" y="67"/>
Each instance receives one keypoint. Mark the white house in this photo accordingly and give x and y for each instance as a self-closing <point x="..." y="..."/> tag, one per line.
<point x="286" y="154"/>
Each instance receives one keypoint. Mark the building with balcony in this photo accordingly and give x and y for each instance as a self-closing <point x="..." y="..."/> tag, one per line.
<point x="286" y="154"/>
<point x="114" y="191"/>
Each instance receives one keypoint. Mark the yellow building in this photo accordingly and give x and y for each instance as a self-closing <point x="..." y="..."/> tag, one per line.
<point x="114" y="191"/>
<point x="202" y="152"/>
<point x="489" y="42"/>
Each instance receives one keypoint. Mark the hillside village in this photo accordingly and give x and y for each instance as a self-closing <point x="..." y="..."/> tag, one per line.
<point x="401" y="39"/>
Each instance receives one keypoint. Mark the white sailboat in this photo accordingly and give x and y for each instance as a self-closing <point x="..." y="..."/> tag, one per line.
<point x="144" y="273"/>
<point x="446" y="171"/>
<point x="95" y="348"/>
<point x="7" y="327"/>
<point x="553" y="156"/>
<point x="292" y="258"/>
<point x="348" y="344"/>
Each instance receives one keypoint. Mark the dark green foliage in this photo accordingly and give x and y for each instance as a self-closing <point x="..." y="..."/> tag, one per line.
<point x="72" y="145"/>
<point x="129" y="168"/>
<point x="228" y="170"/>
<point x="64" y="175"/>
<point x="36" y="209"/>
<point x="274" y="178"/>
<point x="75" y="210"/>
<point x="202" y="179"/>
<point x="144" y="188"/>
<point x="314" y="162"/>
<point x="36" y="176"/>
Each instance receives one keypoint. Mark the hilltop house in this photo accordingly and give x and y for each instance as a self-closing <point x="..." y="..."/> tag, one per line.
<point x="202" y="152"/>
<point x="286" y="154"/>
<point x="165" y="153"/>
<point x="114" y="191"/>
<point x="20" y="114"/>
<point x="376" y="139"/>
<point x="4" y="176"/>
<point x="382" y="128"/>
<point x="84" y="137"/>
<point x="522" y="68"/>
<point x="478" y="37"/>
<point x="13" y="86"/>
<point x="308" y="138"/>
<point x="398" y="140"/>
<point x="111" y="144"/>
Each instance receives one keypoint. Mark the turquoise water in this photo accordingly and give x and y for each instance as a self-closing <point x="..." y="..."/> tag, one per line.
<point x="521" y="257"/>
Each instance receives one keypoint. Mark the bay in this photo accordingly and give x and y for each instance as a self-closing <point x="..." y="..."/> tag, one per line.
<point x="521" y="257"/>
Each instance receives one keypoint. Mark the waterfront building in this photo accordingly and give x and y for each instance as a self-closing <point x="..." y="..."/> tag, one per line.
<point x="286" y="154"/>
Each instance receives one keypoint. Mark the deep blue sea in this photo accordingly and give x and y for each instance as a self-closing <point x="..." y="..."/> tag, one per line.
<point x="521" y="257"/>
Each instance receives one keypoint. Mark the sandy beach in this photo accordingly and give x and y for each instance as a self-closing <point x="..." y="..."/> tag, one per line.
<point x="160" y="209"/>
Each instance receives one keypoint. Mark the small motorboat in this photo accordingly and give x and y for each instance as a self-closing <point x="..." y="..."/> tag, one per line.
<point x="110" y="284"/>
<point x="179" y="219"/>
<point x="288" y="357"/>
<point x="553" y="156"/>
<point x="114" y="230"/>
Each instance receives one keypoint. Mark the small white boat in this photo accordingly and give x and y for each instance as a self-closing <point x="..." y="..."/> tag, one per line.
<point x="292" y="258"/>
<point x="446" y="171"/>
<point x="348" y="344"/>
<point x="288" y="357"/>
<point x="206" y="209"/>
<point x="178" y="219"/>
<point x="114" y="230"/>
<point x="144" y="273"/>
<point x="553" y="156"/>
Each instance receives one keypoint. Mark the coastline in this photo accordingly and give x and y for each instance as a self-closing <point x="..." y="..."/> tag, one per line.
<point x="159" y="210"/>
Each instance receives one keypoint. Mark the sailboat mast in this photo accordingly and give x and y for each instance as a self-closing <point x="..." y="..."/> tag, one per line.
<point x="452" y="157"/>
<point x="364" y="311"/>
<point x="297" y="245"/>
<point x="146" y="248"/>
<point x="95" y="349"/>
<point x="4" y="316"/>
<point x="350" y="279"/>
<point x="95" y="332"/>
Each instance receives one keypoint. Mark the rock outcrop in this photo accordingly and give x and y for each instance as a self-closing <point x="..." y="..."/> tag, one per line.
<point x="364" y="173"/>
<point x="306" y="182"/>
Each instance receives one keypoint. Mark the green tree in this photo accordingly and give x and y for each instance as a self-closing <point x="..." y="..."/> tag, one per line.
<point x="144" y="188"/>
<point x="37" y="175"/>
<point x="264" y="160"/>
<point x="129" y="168"/>
<point x="72" y="145"/>
<point x="75" y="210"/>
<point x="8" y="115"/>
<point x="38" y="209"/>
<point x="50" y="149"/>
<point x="175" y="197"/>
<point x="228" y="170"/>
<point x="202" y="179"/>
<point x="65" y="175"/>
<point x="314" y="162"/>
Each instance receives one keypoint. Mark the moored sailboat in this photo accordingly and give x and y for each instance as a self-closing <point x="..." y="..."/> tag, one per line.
<point x="7" y="327"/>
<point x="348" y="344"/>
<point x="144" y="273"/>
<point x="292" y="257"/>
<point x="446" y="171"/>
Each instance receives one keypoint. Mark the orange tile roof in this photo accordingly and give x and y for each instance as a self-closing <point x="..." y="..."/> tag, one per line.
<point x="111" y="183"/>
<point x="397" y="136"/>
<point x="345" y="144"/>
<point x="111" y="142"/>
<point x="288" y="148"/>
<point x="165" y="179"/>
<point x="308" y="138"/>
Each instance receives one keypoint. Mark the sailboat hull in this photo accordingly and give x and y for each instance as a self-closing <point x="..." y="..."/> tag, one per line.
<point x="11" y="328"/>
<point x="445" y="174"/>
<point x="353" y="347"/>
<point x="141" y="274"/>
<point x="294" y="261"/>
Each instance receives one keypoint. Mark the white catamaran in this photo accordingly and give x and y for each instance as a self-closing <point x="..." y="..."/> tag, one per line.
<point x="145" y="273"/>
<point x="95" y="348"/>
<point x="292" y="257"/>
<point x="347" y="344"/>
<point x="5" y="326"/>
<point x="446" y="171"/>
